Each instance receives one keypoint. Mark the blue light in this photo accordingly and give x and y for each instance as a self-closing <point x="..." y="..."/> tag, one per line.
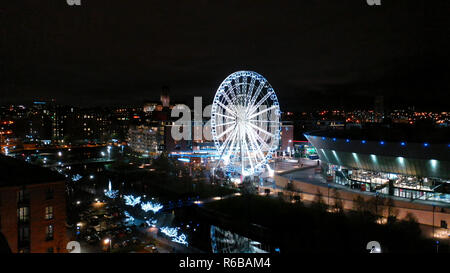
<point x="382" y="142"/>
<point x="334" y="139"/>
<point x="425" y="144"/>
<point x="363" y="142"/>
<point x="155" y="207"/>
<point x="130" y="200"/>
<point x="347" y="140"/>
<point x="403" y="143"/>
<point x="323" y="138"/>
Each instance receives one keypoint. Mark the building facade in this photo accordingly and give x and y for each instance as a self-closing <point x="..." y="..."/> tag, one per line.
<point x="32" y="208"/>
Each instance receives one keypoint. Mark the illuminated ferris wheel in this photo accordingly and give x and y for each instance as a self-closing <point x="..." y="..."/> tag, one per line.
<point x="245" y="122"/>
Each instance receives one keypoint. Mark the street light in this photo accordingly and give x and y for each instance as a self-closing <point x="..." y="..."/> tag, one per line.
<point x="107" y="241"/>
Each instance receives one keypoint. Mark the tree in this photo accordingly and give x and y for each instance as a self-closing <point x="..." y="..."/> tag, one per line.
<point x="338" y="205"/>
<point x="359" y="204"/>
<point x="392" y="212"/>
<point x="290" y="186"/>
<point x="376" y="206"/>
<point x="319" y="202"/>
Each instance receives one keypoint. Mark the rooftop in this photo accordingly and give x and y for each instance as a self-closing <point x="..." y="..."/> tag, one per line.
<point x="15" y="172"/>
<point x="391" y="133"/>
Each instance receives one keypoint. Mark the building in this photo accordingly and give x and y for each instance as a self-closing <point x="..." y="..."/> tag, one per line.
<point x="32" y="208"/>
<point x="407" y="163"/>
<point x="145" y="140"/>
<point x="286" y="139"/>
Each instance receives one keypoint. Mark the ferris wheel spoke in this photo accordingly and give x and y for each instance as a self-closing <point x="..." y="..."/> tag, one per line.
<point x="255" y="149"/>
<point x="226" y="116"/>
<point x="230" y="102"/>
<point x="261" y="130"/>
<point x="231" y="90"/>
<point x="244" y="84"/>
<point x="250" y="91"/>
<point x="226" y="108"/>
<point x="222" y="148"/>
<point x="231" y="150"/>
<point x="238" y="87"/>
<point x="248" y="153"/>
<point x="252" y="135"/>
<point x="263" y="121"/>
<point x="225" y="132"/>
<point x="226" y="123"/>
<point x="262" y="111"/>
<point x="262" y="141"/>
<point x="254" y="108"/>
<point x="226" y="142"/>
<point x="255" y="96"/>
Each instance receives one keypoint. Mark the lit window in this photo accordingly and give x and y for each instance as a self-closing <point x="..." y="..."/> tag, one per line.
<point x="23" y="214"/>
<point x="49" y="232"/>
<point x="48" y="213"/>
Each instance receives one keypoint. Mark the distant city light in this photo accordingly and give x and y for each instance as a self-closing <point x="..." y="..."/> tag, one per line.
<point x="129" y="219"/>
<point x="403" y="143"/>
<point x="425" y="144"/>
<point x="76" y="177"/>
<point x="382" y="142"/>
<point x="363" y="142"/>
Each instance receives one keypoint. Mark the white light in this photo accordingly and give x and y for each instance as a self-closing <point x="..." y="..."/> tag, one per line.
<point x="76" y="177"/>
<point x="130" y="200"/>
<point x="434" y="163"/>
<point x="129" y="219"/>
<point x="171" y="232"/>
<point x="270" y="170"/>
<point x="110" y="192"/>
<point x="155" y="207"/>
<point x="181" y="239"/>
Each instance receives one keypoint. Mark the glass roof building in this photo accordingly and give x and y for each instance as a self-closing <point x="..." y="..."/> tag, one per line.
<point x="415" y="170"/>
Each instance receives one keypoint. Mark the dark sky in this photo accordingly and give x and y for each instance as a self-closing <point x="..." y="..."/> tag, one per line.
<point x="326" y="53"/>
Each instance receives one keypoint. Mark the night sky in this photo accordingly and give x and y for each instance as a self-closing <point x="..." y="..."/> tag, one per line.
<point x="328" y="53"/>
